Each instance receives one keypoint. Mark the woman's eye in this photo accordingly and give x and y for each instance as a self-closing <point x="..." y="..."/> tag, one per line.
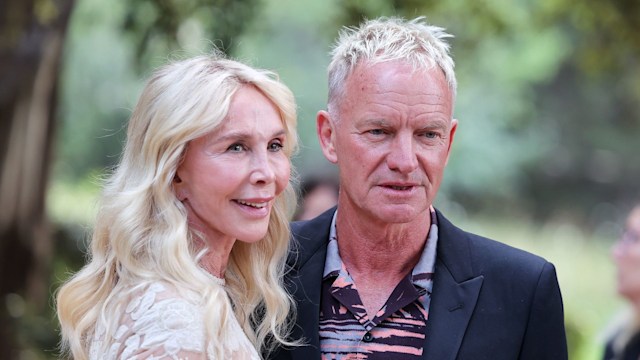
<point x="275" y="146"/>
<point x="235" y="148"/>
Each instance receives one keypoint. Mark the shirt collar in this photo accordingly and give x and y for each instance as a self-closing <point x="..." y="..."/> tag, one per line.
<point x="422" y="273"/>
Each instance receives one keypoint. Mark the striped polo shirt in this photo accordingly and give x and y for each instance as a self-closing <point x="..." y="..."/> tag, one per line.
<point x="398" y="329"/>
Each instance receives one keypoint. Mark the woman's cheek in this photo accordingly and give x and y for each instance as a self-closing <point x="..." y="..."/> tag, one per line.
<point x="283" y="173"/>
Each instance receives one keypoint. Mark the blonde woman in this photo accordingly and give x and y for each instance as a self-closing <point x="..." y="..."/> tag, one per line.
<point x="189" y="243"/>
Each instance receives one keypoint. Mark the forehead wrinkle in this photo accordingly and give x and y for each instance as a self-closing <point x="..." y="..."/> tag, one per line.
<point x="232" y="117"/>
<point x="427" y="98"/>
<point x="395" y="107"/>
<point x="430" y="97"/>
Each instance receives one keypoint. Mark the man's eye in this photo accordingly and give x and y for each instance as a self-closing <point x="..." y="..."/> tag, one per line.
<point x="430" y="134"/>
<point x="275" y="146"/>
<point x="376" y="132"/>
<point x="235" y="148"/>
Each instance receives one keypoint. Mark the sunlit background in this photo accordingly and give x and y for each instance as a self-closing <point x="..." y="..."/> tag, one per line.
<point x="545" y="157"/>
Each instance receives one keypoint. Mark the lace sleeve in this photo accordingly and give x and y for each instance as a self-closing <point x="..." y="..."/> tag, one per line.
<point x="159" y="324"/>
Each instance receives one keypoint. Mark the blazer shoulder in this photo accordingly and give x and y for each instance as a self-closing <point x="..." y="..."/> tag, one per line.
<point x="500" y="252"/>
<point x="308" y="237"/>
<point x="484" y="255"/>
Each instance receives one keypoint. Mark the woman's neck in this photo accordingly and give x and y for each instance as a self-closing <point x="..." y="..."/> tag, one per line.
<point x="217" y="256"/>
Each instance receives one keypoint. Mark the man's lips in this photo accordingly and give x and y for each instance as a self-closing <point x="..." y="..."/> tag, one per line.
<point x="399" y="186"/>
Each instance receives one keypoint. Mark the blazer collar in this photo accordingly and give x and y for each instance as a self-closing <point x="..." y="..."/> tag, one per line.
<point x="455" y="288"/>
<point x="455" y="292"/>
<point x="306" y="262"/>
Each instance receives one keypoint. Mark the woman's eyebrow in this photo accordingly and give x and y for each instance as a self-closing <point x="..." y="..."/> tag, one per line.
<point x="243" y="135"/>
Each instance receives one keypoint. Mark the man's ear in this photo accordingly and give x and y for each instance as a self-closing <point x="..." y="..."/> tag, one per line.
<point x="326" y="135"/>
<point x="452" y="133"/>
<point x="179" y="188"/>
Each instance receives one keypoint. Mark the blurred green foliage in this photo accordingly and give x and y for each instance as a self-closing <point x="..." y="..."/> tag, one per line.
<point x="548" y="91"/>
<point x="548" y="104"/>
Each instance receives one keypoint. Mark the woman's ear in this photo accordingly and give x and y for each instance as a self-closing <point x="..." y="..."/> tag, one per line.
<point x="179" y="188"/>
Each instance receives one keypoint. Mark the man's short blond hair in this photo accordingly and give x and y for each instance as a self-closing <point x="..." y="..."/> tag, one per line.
<point x="385" y="39"/>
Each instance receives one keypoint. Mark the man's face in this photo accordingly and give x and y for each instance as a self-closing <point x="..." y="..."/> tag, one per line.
<point x="390" y="140"/>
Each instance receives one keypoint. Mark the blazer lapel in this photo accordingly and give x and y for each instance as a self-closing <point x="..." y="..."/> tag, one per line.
<point x="306" y="282"/>
<point x="455" y="288"/>
<point x="455" y="293"/>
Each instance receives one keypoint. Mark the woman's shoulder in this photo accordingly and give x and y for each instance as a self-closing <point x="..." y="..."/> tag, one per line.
<point x="158" y="319"/>
<point x="158" y="298"/>
<point x="172" y="319"/>
<point x="157" y="291"/>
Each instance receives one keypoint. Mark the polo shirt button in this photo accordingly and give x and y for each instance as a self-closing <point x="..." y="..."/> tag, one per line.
<point x="367" y="337"/>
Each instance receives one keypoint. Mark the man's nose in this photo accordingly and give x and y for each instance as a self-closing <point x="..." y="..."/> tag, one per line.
<point x="402" y="156"/>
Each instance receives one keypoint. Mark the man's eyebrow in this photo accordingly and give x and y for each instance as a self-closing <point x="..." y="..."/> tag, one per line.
<point x="376" y="122"/>
<point x="433" y="124"/>
<point x="436" y="124"/>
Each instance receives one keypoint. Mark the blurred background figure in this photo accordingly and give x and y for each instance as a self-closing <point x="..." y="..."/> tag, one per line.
<point x="625" y="342"/>
<point x="317" y="194"/>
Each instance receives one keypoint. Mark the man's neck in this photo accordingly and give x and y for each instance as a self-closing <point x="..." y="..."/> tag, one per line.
<point x="378" y="256"/>
<point x="369" y="246"/>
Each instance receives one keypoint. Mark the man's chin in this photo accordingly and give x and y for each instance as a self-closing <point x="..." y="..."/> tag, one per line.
<point x="398" y="214"/>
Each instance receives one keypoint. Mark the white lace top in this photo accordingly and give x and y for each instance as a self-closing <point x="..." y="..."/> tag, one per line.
<point x="161" y="323"/>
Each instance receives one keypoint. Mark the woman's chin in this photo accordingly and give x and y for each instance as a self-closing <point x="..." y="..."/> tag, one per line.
<point x="252" y="237"/>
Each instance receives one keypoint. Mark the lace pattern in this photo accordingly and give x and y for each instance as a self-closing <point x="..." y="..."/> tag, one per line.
<point x="160" y="323"/>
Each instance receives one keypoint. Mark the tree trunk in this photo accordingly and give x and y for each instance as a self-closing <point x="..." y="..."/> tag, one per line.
<point x="31" y="40"/>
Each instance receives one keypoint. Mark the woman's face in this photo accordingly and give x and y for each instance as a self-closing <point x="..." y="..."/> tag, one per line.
<point x="229" y="178"/>
<point x="626" y="254"/>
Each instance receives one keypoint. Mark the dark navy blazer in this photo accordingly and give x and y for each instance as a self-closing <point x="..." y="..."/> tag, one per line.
<point x="490" y="301"/>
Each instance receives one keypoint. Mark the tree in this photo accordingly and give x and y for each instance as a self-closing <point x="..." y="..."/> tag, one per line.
<point x="32" y="39"/>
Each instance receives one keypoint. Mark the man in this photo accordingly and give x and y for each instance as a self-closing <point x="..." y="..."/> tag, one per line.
<point x="386" y="276"/>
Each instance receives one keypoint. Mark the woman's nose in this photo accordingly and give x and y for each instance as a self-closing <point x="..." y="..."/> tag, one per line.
<point x="262" y="171"/>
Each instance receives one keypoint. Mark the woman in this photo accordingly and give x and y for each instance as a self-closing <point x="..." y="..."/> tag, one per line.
<point x="192" y="232"/>
<point x="626" y="254"/>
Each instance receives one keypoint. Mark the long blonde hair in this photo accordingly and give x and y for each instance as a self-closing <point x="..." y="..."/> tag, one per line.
<point x="141" y="233"/>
